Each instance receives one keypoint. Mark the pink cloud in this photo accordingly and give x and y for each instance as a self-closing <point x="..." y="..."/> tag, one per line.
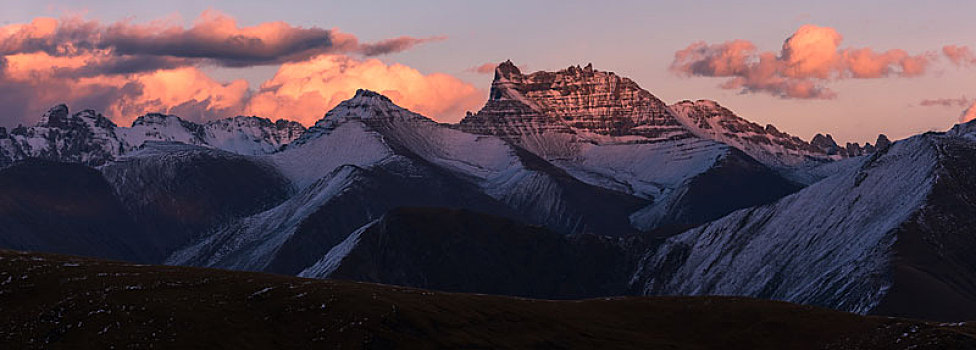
<point x="394" y="45"/>
<point x="127" y="69"/>
<point x="37" y="83"/>
<point x="946" y="102"/>
<point x="214" y="37"/>
<point x="959" y="55"/>
<point x="809" y="59"/>
<point x="304" y="91"/>
<point x="487" y="68"/>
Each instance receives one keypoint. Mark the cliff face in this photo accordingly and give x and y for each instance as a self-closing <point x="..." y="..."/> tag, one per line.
<point x="574" y="98"/>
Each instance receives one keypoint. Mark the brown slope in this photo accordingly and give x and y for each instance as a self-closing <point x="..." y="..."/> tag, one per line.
<point x="55" y="302"/>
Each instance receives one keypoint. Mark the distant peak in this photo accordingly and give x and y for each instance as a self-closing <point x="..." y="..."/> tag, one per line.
<point x="55" y="116"/>
<point x="578" y="69"/>
<point x="153" y="118"/>
<point x="365" y="104"/>
<point x="364" y="93"/>
<point x="60" y="108"/>
<point x="163" y="120"/>
<point x="882" y="141"/>
<point x="506" y="70"/>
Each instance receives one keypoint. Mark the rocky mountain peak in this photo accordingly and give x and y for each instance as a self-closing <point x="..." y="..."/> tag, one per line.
<point x="964" y="129"/>
<point x="156" y="118"/>
<point x="368" y="107"/>
<point x="827" y="144"/>
<point x="506" y="71"/>
<point x="291" y="125"/>
<point x="365" y="95"/>
<point x="367" y="104"/>
<point x="57" y="116"/>
<point x="709" y="119"/>
<point x="882" y="142"/>
<point x="573" y="98"/>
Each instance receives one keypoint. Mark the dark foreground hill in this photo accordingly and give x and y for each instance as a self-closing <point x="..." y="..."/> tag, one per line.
<point x="54" y="301"/>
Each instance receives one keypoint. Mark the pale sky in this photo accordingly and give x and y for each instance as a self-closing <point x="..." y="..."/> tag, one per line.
<point x="636" y="39"/>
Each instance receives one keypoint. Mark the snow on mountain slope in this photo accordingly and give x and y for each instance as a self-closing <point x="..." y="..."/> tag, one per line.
<point x="770" y="146"/>
<point x="599" y="127"/>
<point x="369" y="128"/>
<point x="378" y="129"/>
<point x="241" y="135"/>
<point x="299" y="231"/>
<point x="368" y="156"/>
<point x="251" y="135"/>
<point x="734" y="181"/>
<point x="647" y="170"/>
<point x="933" y="265"/>
<point x="88" y="137"/>
<point x="311" y="158"/>
<point x="177" y="192"/>
<point x="476" y="253"/>
<point x="606" y="131"/>
<point x="84" y="137"/>
<point x="331" y="261"/>
<point x="383" y="128"/>
<point x="249" y="243"/>
<point x="829" y="244"/>
<point x="350" y="168"/>
<point x="161" y="127"/>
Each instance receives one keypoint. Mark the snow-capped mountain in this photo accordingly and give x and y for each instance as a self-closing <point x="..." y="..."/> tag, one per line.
<point x="85" y="137"/>
<point x="88" y="137"/>
<point x="708" y="119"/>
<point x="888" y="234"/>
<point x="605" y="130"/>
<point x="577" y="176"/>
<point x="368" y="156"/>
<point x="177" y="192"/>
<point x="241" y="135"/>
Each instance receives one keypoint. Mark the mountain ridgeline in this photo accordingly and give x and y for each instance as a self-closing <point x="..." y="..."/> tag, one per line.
<point x="568" y="184"/>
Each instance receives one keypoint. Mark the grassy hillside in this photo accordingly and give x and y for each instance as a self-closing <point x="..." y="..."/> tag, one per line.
<point x="55" y="301"/>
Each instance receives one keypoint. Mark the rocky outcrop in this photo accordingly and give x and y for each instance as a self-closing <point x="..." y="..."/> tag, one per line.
<point x="573" y="99"/>
<point x="827" y="144"/>
<point x="85" y="137"/>
<point x="708" y="119"/>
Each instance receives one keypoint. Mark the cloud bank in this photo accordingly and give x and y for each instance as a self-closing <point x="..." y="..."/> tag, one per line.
<point x="946" y="102"/>
<point x="807" y="61"/>
<point x="128" y="69"/>
<point x="321" y="83"/>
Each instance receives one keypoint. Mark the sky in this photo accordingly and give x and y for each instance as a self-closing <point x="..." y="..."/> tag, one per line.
<point x="850" y="68"/>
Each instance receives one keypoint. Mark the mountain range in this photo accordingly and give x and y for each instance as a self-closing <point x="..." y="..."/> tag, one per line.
<point x="569" y="184"/>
